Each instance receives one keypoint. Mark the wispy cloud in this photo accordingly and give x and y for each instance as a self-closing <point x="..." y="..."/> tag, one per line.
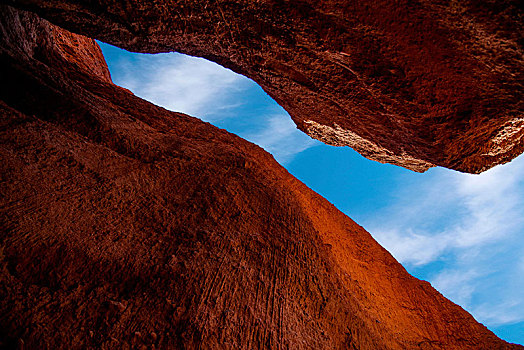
<point x="280" y="137"/>
<point x="182" y="83"/>
<point x="458" y="284"/>
<point x="472" y="226"/>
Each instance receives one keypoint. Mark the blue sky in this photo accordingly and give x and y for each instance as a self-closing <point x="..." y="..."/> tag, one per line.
<point x="462" y="233"/>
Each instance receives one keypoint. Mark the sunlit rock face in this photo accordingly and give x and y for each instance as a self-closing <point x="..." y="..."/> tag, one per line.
<point x="126" y="225"/>
<point x="416" y="83"/>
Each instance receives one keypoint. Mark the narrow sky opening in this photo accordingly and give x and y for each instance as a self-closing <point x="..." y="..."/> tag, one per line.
<point x="462" y="233"/>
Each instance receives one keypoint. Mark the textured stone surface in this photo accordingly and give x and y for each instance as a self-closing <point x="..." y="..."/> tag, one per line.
<point x="415" y="83"/>
<point x="126" y="225"/>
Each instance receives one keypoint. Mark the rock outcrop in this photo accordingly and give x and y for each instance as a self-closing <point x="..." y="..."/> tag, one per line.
<point x="125" y="225"/>
<point x="413" y="83"/>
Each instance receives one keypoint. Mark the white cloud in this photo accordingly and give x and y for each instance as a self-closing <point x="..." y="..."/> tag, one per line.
<point x="410" y="247"/>
<point x="182" y="83"/>
<point x="280" y="137"/>
<point x="501" y="313"/>
<point x="459" y="284"/>
<point x="465" y="232"/>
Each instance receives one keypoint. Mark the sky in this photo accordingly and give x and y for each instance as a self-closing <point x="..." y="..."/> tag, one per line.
<point x="463" y="233"/>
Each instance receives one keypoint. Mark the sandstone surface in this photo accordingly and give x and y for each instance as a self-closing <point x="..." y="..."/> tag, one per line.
<point x="413" y="83"/>
<point x="125" y="225"/>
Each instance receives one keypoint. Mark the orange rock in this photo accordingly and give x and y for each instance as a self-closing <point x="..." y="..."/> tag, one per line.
<point x="201" y="235"/>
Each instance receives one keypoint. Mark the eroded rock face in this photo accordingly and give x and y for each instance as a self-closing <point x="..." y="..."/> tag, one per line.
<point x="413" y="83"/>
<point x="123" y="224"/>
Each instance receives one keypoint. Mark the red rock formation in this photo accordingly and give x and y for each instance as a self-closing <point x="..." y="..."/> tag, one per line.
<point x="123" y="224"/>
<point x="413" y="83"/>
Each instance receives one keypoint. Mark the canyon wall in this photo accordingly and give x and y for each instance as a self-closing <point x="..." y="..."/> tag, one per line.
<point x="413" y="83"/>
<point x="125" y="225"/>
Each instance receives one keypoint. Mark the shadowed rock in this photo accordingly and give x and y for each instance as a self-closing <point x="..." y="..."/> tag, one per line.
<point x="413" y="83"/>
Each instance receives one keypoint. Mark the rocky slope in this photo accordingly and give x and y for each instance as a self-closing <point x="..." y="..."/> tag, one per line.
<point x="413" y="83"/>
<point x="125" y="225"/>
